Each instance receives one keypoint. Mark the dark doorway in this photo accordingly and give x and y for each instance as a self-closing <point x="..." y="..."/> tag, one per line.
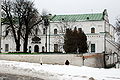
<point x="55" y="47"/>
<point x="36" y="48"/>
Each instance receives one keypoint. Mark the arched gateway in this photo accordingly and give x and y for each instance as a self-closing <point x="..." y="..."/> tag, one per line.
<point x="36" y="48"/>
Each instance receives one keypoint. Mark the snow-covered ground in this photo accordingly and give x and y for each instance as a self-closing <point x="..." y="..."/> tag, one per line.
<point x="58" y="72"/>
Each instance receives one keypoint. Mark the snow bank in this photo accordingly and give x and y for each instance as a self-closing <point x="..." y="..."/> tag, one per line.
<point x="58" y="72"/>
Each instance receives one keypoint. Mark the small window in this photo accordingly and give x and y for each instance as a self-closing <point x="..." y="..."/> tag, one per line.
<point x="92" y="47"/>
<point x="80" y="29"/>
<point x="92" y="30"/>
<point x="43" y="30"/>
<point x="55" y="31"/>
<point x="36" y="31"/>
<point x="55" y="47"/>
<point x="6" y="47"/>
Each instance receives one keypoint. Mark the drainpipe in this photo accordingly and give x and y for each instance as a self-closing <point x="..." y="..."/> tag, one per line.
<point x="105" y="43"/>
<point x="0" y="30"/>
<point x="105" y="37"/>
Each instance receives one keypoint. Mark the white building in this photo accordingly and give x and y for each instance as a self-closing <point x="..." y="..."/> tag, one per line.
<point x="100" y="34"/>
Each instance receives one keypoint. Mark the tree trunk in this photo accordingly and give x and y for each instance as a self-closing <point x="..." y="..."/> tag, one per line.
<point x="18" y="42"/>
<point x="25" y="46"/>
<point x="18" y="47"/>
<point x="25" y="43"/>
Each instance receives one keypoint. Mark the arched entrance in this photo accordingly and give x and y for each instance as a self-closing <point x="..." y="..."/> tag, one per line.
<point x="36" y="48"/>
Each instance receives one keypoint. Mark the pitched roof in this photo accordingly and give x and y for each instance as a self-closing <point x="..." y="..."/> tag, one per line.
<point x="79" y="17"/>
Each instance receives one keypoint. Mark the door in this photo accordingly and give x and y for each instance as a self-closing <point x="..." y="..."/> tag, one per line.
<point x="36" y="48"/>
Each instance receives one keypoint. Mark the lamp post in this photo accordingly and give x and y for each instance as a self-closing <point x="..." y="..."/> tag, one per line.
<point x="46" y="24"/>
<point x="46" y="37"/>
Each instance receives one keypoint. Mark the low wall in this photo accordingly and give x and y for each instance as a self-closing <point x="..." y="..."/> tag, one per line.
<point x="91" y="60"/>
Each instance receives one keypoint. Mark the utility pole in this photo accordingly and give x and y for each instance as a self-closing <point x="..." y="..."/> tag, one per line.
<point x="46" y="24"/>
<point x="46" y="38"/>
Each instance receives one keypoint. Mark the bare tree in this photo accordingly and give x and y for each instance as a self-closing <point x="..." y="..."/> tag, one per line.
<point x="31" y="19"/>
<point x="21" y="19"/>
<point x="10" y="18"/>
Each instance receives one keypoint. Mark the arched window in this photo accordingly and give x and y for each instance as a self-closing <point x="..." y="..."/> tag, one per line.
<point x="55" y="31"/>
<point x="92" y="30"/>
<point x="43" y="30"/>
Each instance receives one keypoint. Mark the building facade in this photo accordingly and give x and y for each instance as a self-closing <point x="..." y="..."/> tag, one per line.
<point x="96" y="26"/>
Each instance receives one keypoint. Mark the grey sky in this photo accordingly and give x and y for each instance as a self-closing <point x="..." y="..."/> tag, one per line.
<point x="80" y="6"/>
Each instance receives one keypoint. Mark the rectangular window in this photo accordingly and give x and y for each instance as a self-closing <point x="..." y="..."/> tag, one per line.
<point x="6" y="47"/>
<point x="92" y="47"/>
<point x="36" y="31"/>
<point x="44" y="30"/>
<point x="55" y="47"/>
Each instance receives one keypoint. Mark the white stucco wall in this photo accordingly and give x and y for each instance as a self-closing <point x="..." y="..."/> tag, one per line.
<point x="74" y="59"/>
<point x="96" y="38"/>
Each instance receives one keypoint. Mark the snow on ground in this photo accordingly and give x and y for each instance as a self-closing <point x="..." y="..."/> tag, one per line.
<point x="58" y="72"/>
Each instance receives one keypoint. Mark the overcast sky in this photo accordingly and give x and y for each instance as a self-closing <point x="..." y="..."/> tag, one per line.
<point x="80" y="6"/>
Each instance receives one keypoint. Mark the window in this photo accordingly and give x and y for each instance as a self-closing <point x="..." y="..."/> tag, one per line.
<point x="80" y="29"/>
<point x="44" y="30"/>
<point x="92" y="47"/>
<point x="55" y="31"/>
<point x="92" y="30"/>
<point x="6" y="47"/>
<point x="55" y="47"/>
<point x="36" y="31"/>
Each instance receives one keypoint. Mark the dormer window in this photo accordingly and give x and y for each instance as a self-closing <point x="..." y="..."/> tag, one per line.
<point x="92" y="30"/>
<point x="87" y="18"/>
<point x="55" y="31"/>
